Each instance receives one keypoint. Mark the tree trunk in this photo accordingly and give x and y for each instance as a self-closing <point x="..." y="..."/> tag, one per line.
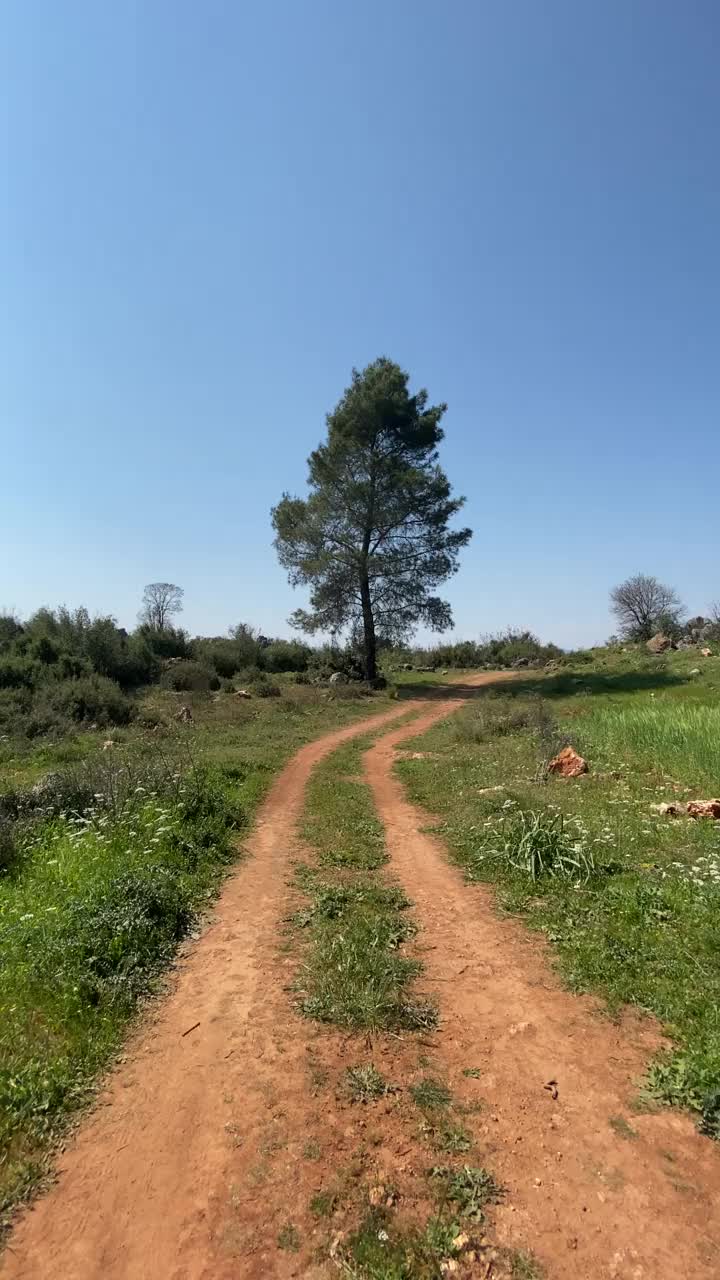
<point x="370" y="643"/>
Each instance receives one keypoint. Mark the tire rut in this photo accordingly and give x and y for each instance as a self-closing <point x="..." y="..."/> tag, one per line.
<point x="195" y="1157"/>
<point x="588" y="1202"/>
<point x="188" y="1166"/>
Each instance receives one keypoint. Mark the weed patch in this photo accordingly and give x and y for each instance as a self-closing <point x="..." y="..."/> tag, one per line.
<point x="323" y="1205"/>
<point x="470" y="1190"/>
<point x="289" y="1238"/>
<point x="430" y="1094"/>
<point x="365" y="1084"/>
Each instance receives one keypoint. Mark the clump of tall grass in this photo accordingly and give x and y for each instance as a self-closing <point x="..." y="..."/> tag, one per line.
<point x="678" y="739"/>
<point x="541" y="844"/>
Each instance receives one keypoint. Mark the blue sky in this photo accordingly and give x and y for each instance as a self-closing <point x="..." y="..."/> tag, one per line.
<point x="212" y="211"/>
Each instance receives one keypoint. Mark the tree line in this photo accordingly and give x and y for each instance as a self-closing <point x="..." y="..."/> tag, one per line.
<point x="63" y="666"/>
<point x="373" y="541"/>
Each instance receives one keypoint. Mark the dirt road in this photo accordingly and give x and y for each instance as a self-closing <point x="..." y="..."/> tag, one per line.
<point x="587" y="1196"/>
<point x="211" y="1139"/>
<point x="167" y="1178"/>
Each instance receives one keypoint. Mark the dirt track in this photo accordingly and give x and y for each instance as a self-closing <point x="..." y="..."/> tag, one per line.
<point x="197" y="1157"/>
<point x="589" y="1201"/>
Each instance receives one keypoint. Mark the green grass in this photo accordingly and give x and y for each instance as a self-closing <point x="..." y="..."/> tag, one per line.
<point x="429" y="1093"/>
<point x="289" y="1238"/>
<point x="255" y="737"/>
<point x="381" y="1249"/>
<point x="90" y="916"/>
<point x="340" y="824"/>
<point x="365" y="1083"/>
<point x="357" y="972"/>
<point x="630" y="900"/>
<point x="468" y="1189"/>
<point x="683" y="740"/>
<point x="523" y="1266"/>
<point x="109" y="867"/>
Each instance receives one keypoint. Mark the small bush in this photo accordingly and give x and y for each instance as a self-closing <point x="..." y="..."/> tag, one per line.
<point x="285" y="655"/>
<point x="247" y="676"/>
<point x="15" y="706"/>
<point x="166" y="642"/>
<point x="429" y="1093"/>
<point x="186" y="676"/>
<point x="18" y="672"/>
<point x="265" y="689"/>
<point x="90" y="699"/>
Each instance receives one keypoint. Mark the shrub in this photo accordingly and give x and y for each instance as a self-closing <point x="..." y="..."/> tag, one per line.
<point x="496" y="716"/>
<point x="499" y="650"/>
<point x="247" y="676"/>
<point x="219" y="652"/>
<point x="286" y="655"/>
<point x="9" y="846"/>
<point x="18" y="672"/>
<point x="166" y="642"/>
<point x="190" y="677"/>
<point x="10" y="629"/>
<point x="91" y="698"/>
<point x="264" y="688"/>
<point x="14" y="707"/>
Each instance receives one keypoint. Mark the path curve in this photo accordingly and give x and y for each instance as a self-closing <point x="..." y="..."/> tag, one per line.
<point x="590" y="1203"/>
<point x="156" y="1182"/>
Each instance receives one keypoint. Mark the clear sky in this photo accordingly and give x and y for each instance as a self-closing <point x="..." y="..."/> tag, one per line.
<point x="211" y="211"/>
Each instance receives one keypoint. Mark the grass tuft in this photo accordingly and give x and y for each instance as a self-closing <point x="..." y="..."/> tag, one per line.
<point x="430" y="1094"/>
<point x="288" y="1238"/>
<point x="469" y="1189"/>
<point x="365" y="1084"/>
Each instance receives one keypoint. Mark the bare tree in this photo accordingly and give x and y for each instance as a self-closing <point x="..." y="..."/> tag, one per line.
<point x="160" y="601"/>
<point x="643" y="606"/>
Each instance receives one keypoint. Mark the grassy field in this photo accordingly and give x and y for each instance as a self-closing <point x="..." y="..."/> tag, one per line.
<point x="109" y="858"/>
<point x="629" y="899"/>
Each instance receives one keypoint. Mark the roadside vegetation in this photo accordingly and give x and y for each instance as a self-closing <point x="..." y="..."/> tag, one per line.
<point x="108" y="859"/>
<point x="62" y="668"/>
<point x="627" y="895"/>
